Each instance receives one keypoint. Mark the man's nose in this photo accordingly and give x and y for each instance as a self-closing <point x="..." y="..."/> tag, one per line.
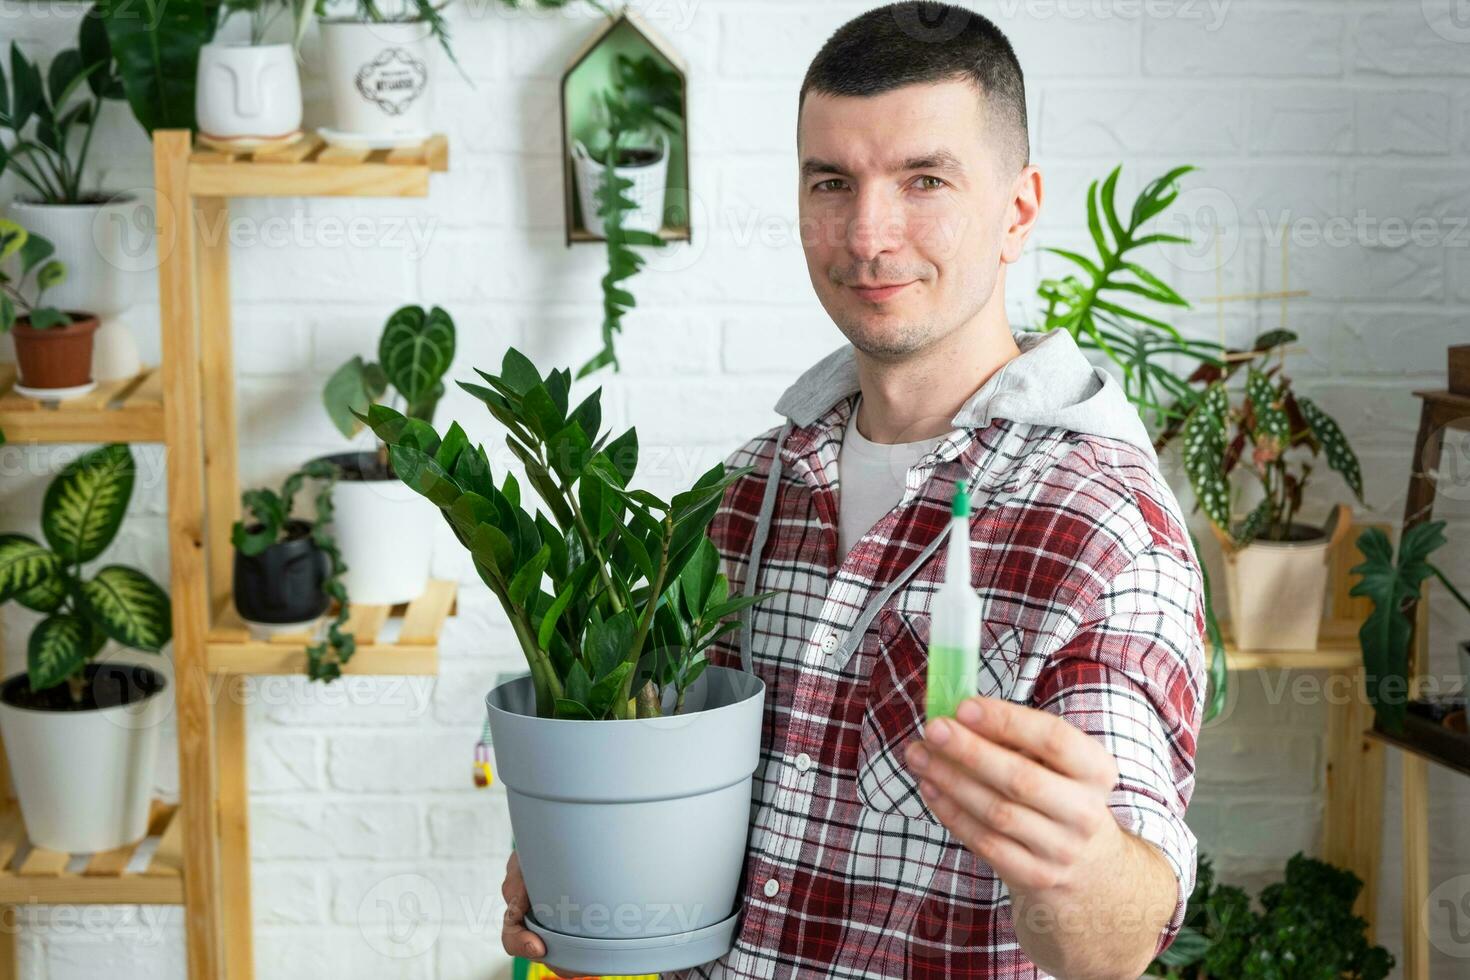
<point x="877" y="224"/>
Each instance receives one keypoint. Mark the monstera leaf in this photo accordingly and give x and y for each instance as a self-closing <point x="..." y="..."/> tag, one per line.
<point x="129" y="607"/>
<point x="85" y="503"/>
<point x="24" y="565"/>
<point x="415" y="350"/>
<point x="59" y="646"/>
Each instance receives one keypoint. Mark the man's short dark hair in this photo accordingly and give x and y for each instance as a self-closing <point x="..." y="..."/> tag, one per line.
<point x="917" y="42"/>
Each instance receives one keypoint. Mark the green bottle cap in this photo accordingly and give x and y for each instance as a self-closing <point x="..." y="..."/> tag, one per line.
<point x="961" y="500"/>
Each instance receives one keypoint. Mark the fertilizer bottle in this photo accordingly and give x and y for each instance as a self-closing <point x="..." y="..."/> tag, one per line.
<point x="954" y="622"/>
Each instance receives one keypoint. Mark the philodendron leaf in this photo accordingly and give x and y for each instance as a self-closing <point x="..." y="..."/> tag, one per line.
<point x="129" y="607"/>
<point x="25" y="565"/>
<point x="350" y="391"/>
<point x="85" y="504"/>
<point x="59" y="645"/>
<point x="1204" y="449"/>
<point x="1340" y="455"/>
<point x="415" y="350"/>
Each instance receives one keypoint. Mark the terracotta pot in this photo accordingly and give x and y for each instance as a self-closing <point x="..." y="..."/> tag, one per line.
<point x="58" y="357"/>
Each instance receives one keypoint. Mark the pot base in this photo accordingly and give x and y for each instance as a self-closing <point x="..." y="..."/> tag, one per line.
<point x="54" y="394"/>
<point x="268" y="631"/>
<point x="368" y="141"/>
<point x="247" y="144"/>
<point x="636" y="957"/>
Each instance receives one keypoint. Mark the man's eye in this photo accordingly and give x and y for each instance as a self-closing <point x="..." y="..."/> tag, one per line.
<point x="831" y="184"/>
<point x="930" y="183"/>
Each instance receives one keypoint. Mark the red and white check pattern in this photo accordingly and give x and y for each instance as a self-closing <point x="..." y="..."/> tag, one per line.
<point x="1093" y="610"/>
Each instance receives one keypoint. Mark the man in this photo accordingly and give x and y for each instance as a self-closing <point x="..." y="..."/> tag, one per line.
<point x="1041" y="832"/>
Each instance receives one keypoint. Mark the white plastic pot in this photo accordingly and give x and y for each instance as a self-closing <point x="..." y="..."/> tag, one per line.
<point x="385" y="532"/>
<point x="1278" y="589"/>
<point x="380" y="79"/>
<point x="100" y="244"/>
<point x="650" y="186"/>
<point x="247" y="92"/>
<point x="84" y="779"/>
<point x="631" y="834"/>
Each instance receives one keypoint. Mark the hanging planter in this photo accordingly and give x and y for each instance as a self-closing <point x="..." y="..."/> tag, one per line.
<point x="646" y="169"/>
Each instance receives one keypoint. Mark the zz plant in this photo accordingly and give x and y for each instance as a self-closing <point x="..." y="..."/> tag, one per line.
<point x="80" y="515"/>
<point x="414" y="352"/>
<point x="613" y="593"/>
<point x="271" y="516"/>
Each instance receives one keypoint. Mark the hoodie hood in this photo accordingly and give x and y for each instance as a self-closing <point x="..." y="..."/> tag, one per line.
<point x="1050" y="383"/>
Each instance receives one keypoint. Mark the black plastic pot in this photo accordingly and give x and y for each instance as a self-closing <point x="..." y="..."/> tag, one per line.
<point x="284" y="583"/>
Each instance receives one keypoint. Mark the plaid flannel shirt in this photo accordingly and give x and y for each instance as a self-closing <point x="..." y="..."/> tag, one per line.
<point x="1093" y="610"/>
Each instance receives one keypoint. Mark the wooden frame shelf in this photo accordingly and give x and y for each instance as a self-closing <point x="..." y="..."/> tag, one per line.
<point x="391" y="640"/>
<point x="1337" y="649"/>
<point x="312" y="168"/>
<point x="30" y="874"/>
<point x="129" y="410"/>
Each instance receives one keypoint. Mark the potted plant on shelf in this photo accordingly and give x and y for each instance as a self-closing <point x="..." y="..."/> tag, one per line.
<point x="51" y="123"/>
<point x="384" y="532"/>
<point x="288" y="570"/>
<point x="623" y="180"/>
<point x="248" y="95"/>
<point x="53" y="349"/>
<point x="1306" y="930"/>
<point x="81" y="737"/>
<point x="1275" y="566"/>
<point x="622" y="731"/>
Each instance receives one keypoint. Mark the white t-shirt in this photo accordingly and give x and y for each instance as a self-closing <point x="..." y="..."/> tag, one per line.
<point x="871" y="479"/>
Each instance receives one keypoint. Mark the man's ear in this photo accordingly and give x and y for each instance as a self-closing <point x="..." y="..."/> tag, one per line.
<point x="1022" y="211"/>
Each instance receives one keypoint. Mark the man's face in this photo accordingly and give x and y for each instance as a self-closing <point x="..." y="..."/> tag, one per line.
<point x="904" y="208"/>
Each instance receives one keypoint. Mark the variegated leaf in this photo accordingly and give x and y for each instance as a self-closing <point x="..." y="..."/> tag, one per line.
<point x="46" y="596"/>
<point x="24" y="565"/>
<point x="59" y="646"/>
<point x="1271" y="418"/>
<point x="85" y="503"/>
<point x="130" y="607"/>
<point x="1340" y="455"/>
<point x="1204" y="449"/>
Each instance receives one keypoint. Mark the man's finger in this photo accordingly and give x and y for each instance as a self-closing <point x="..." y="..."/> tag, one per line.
<point x="1041" y="735"/>
<point x="1017" y="866"/>
<point x="950" y="789"/>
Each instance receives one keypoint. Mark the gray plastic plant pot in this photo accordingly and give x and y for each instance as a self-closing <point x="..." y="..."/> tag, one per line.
<point x="631" y="834"/>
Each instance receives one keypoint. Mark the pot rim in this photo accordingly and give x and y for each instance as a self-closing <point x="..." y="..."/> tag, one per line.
<point x="81" y="323"/>
<point x="340" y="21"/>
<point x="1319" y="539"/>
<point x="759" y="691"/>
<point x="113" y="197"/>
<point x="357" y="455"/>
<point x="163" y="685"/>
<point x="296" y="542"/>
<point x="242" y="45"/>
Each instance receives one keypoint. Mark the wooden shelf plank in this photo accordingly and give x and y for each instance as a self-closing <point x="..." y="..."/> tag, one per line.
<point x="42" y="876"/>
<point x="254" y="658"/>
<point x="311" y="168"/>
<point x="130" y="410"/>
<point x="1337" y="649"/>
<point x="424" y="619"/>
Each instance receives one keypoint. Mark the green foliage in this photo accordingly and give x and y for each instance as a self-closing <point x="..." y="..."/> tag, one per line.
<point x="262" y="14"/>
<point x="271" y="513"/>
<point x="645" y="97"/>
<point x="614" y="594"/>
<point x="414" y="352"/>
<point x="422" y="11"/>
<point x="156" y="45"/>
<point x="80" y="515"/>
<point x="1306" y="930"/>
<point x="68" y="98"/>
<point x="1276" y="435"/>
<point x="36" y="265"/>
<point x="1393" y="584"/>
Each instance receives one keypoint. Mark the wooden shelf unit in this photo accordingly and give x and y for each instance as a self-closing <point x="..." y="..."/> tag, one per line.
<point x="130" y="410"/>
<point x="311" y="168"/>
<point x="35" y="875"/>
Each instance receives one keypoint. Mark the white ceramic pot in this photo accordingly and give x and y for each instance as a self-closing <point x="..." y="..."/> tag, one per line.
<point x="650" y="185"/>
<point x="84" y="779"/>
<point x="1278" y="589"/>
<point x="247" y="91"/>
<point x="101" y="245"/>
<point x="385" y="532"/>
<point x="380" y="78"/>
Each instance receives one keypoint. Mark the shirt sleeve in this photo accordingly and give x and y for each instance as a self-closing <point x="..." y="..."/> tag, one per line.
<point x="1134" y="677"/>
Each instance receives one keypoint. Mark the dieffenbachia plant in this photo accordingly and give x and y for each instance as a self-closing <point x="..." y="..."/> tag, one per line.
<point x="614" y="594"/>
<point x="1384" y="636"/>
<point x="414" y="352"/>
<point x="271" y="512"/>
<point x="645" y="97"/>
<point x="37" y="266"/>
<point x="1267" y="430"/>
<point x="80" y="515"/>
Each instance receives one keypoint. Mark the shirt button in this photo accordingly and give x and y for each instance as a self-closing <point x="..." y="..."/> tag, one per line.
<point x="803" y="762"/>
<point x="829" y="643"/>
<point x="772" y="887"/>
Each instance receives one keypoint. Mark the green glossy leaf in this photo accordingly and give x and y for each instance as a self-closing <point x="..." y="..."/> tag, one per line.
<point x="697" y="579"/>
<point x="606" y="690"/>
<point x="129" y="607"/>
<point x="85" y="504"/>
<point x="58" y="647"/>
<point x="416" y="350"/>
<point x="24" y="565"/>
<point x="528" y="577"/>
<point x="156" y="44"/>
<point x="47" y="595"/>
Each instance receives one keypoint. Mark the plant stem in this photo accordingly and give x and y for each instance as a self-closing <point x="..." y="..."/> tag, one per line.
<point x="656" y="589"/>
<point x="1464" y="603"/>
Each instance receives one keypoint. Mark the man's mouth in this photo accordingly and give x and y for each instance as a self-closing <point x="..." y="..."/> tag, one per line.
<point x="880" y="293"/>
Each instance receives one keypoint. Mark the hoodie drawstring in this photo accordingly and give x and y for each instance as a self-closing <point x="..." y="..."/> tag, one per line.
<point x="762" y="531"/>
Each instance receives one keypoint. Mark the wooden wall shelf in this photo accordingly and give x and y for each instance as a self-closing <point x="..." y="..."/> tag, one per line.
<point x="311" y="168"/>
<point x="1337" y="649"/>
<point x="392" y="640"/>
<point x="30" y="874"/>
<point x="130" y="410"/>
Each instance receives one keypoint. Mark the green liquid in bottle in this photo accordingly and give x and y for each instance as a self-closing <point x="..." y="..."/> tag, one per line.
<point x="951" y="679"/>
<point x="954" y="621"/>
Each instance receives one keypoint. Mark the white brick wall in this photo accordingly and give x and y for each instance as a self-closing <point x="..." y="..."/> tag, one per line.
<point x="369" y="842"/>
